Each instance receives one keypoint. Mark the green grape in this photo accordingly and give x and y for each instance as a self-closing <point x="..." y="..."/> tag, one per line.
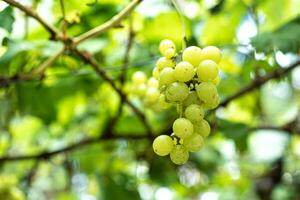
<point x="216" y="81"/>
<point x="193" y="143"/>
<point x="183" y="127"/>
<point x="194" y="113"/>
<point x="152" y="94"/>
<point x="177" y="92"/>
<point x="139" y="77"/>
<point x="184" y="71"/>
<point x="207" y="71"/>
<point x="212" y="53"/>
<point x="164" y="62"/>
<point x="207" y="92"/>
<point x="139" y="90"/>
<point x="170" y="53"/>
<point x="152" y="82"/>
<point x="179" y="155"/>
<point x="192" y="99"/>
<point x="155" y="73"/>
<point x="166" y="76"/>
<point x="162" y="101"/>
<point x="166" y="45"/>
<point x="213" y="104"/>
<point x="202" y="128"/>
<point x="192" y="55"/>
<point x="163" y="145"/>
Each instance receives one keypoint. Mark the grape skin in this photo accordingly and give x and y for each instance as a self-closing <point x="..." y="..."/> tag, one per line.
<point x="192" y="99"/>
<point x="212" y="53"/>
<point x="207" y="92"/>
<point x="165" y="45"/>
<point x="164" y="62"/>
<point x="184" y="71"/>
<point x="194" y="113"/>
<point x="179" y="155"/>
<point x="207" y="70"/>
<point x="183" y="127"/>
<point x="192" y="55"/>
<point x="163" y="145"/>
<point x="166" y="76"/>
<point x="155" y="73"/>
<point x="139" y="77"/>
<point x="202" y="128"/>
<point x="177" y="92"/>
<point x="193" y="143"/>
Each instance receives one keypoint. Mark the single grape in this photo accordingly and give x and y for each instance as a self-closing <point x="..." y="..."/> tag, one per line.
<point x="163" y="145"/>
<point x="183" y="127"/>
<point x="166" y="76"/>
<point x="207" y="70"/>
<point x="155" y="73"/>
<point x="139" y="77"/>
<point x="177" y="92"/>
<point x="164" y="62"/>
<point x="170" y="53"/>
<point x="152" y="95"/>
<point x="213" y="104"/>
<point x="162" y="101"/>
<point x="212" y="53"/>
<point x="192" y="55"/>
<point x="179" y="155"/>
<point x="184" y="71"/>
<point x="216" y="81"/>
<point x="192" y="99"/>
<point x="152" y="82"/>
<point x="140" y="89"/>
<point x="207" y="92"/>
<point x="202" y="128"/>
<point x="165" y="45"/>
<point x="194" y="113"/>
<point x="193" y="143"/>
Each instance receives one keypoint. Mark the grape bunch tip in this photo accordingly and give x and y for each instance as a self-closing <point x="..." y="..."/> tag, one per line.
<point x="188" y="80"/>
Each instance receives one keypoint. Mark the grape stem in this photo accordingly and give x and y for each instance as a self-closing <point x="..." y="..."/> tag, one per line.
<point x="183" y="27"/>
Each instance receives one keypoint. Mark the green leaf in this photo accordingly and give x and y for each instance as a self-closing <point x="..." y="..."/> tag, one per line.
<point x="235" y="131"/>
<point x="7" y="19"/>
<point x="285" y="38"/>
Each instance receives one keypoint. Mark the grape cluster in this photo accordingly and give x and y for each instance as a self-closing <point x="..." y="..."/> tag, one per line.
<point x="189" y="80"/>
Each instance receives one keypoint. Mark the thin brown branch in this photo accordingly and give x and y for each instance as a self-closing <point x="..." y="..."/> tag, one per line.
<point x="131" y="35"/>
<point x="258" y="82"/>
<point x="30" y="12"/>
<point x="86" y="57"/>
<point x="48" y="154"/>
<point x="114" y="21"/>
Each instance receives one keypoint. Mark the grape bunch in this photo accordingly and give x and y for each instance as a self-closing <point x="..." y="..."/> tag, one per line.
<point x="188" y="80"/>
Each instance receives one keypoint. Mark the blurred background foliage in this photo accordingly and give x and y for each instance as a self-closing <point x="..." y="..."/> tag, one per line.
<point x="253" y="152"/>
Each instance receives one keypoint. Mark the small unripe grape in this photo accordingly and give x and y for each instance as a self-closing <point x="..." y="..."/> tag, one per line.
<point x="164" y="62"/>
<point x="163" y="145"/>
<point x="139" y="77"/>
<point x="152" y="82"/>
<point x="192" y="55"/>
<point x="183" y="127"/>
<point x="179" y="155"/>
<point x="177" y="92"/>
<point x="166" y="76"/>
<point x="165" y="45"/>
<point x="155" y="73"/>
<point x="170" y="53"/>
<point x="213" y="104"/>
<point x="192" y="99"/>
<point x="202" y="128"/>
<point x="162" y="101"/>
<point x="216" y="81"/>
<point x="152" y="94"/>
<point x="207" y="92"/>
<point x="194" y="113"/>
<point x="212" y="53"/>
<point x="207" y="70"/>
<point x="184" y="71"/>
<point x="140" y="89"/>
<point x="193" y="143"/>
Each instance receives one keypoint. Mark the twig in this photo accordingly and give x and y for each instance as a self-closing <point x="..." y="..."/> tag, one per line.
<point x="256" y="83"/>
<point x="30" y="12"/>
<point x="107" y="25"/>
